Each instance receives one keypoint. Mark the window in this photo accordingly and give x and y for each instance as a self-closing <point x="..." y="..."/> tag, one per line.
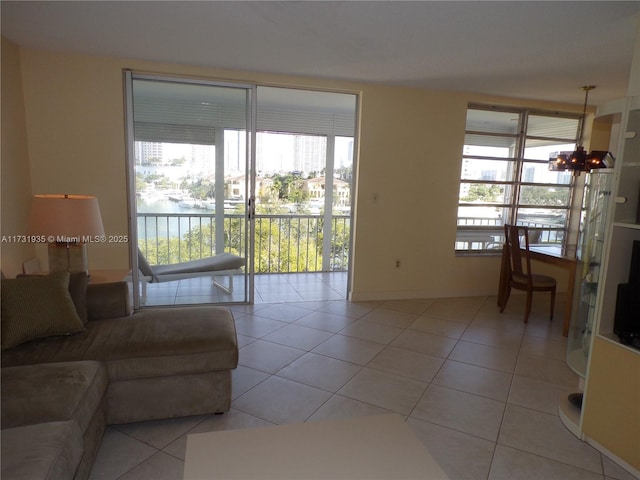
<point x="505" y="179"/>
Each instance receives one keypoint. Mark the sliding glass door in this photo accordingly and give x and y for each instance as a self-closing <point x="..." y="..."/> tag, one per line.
<point x="190" y="189"/>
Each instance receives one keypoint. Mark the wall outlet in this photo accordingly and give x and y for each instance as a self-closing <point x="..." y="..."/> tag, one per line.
<point x="397" y="263"/>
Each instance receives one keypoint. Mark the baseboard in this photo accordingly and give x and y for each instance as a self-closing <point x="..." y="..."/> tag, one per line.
<point x="413" y="295"/>
<point x="614" y="458"/>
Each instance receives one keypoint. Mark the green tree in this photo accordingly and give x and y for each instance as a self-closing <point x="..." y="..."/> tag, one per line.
<point x="484" y="193"/>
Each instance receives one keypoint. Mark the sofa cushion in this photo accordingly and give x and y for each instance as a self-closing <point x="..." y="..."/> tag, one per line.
<point x="52" y="392"/>
<point x="46" y="451"/>
<point x="36" y="307"/>
<point x="151" y="342"/>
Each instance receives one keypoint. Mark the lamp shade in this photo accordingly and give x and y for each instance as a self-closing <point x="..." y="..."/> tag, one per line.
<point x="65" y="218"/>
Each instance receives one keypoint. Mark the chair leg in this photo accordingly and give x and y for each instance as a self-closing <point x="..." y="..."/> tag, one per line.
<point x="143" y="293"/>
<point x="507" y="293"/>
<point x="228" y="290"/>
<point x="553" y="303"/>
<point x="528" y="307"/>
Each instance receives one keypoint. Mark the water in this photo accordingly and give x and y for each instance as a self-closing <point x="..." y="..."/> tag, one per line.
<point x="169" y="227"/>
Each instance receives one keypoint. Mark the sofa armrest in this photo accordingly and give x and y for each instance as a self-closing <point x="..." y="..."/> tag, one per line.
<point x="108" y="300"/>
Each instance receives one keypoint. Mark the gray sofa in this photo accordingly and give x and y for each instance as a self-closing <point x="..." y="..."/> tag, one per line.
<point x="60" y="388"/>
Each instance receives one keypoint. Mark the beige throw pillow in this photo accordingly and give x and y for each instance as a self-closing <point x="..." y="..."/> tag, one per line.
<point x="37" y="307"/>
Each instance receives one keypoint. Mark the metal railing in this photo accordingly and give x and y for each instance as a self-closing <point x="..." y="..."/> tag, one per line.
<point x="283" y="243"/>
<point x="484" y="237"/>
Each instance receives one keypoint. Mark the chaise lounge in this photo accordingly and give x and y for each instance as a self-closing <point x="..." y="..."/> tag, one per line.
<point x="223" y="264"/>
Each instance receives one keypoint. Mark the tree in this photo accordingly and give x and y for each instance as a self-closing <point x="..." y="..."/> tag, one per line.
<point x="484" y="193"/>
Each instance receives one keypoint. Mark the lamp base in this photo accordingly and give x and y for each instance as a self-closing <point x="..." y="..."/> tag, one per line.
<point x="68" y="257"/>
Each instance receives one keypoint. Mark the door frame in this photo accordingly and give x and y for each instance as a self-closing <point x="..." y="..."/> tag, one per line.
<point x="251" y="111"/>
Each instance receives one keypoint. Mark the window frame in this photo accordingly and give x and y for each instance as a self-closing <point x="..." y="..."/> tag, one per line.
<point x="487" y="239"/>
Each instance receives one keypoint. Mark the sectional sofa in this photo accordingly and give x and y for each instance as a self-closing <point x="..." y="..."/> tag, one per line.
<point x="74" y="359"/>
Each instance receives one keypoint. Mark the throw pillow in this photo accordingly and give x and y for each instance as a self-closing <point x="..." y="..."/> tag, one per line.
<point x="37" y="307"/>
<point x="78" y="282"/>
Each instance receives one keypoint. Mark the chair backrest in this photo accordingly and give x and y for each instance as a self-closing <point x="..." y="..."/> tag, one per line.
<point x="519" y="260"/>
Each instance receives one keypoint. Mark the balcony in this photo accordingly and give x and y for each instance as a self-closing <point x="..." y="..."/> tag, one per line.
<point x="284" y="245"/>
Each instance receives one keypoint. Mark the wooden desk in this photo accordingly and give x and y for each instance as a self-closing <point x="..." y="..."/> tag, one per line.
<point x="554" y="254"/>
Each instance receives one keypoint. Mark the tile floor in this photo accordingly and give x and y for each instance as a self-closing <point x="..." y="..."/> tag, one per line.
<point x="477" y="387"/>
<point x="286" y="287"/>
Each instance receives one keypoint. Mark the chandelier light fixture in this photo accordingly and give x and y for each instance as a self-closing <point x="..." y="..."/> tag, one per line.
<point x="579" y="160"/>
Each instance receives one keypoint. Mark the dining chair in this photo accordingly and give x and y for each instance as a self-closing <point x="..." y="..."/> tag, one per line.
<point x="520" y="275"/>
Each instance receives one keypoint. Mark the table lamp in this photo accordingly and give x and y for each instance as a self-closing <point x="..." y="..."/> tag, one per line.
<point x="68" y="223"/>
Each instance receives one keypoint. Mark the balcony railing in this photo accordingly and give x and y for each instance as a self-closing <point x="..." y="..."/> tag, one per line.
<point x="283" y="243"/>
<point x="488" y="233"/>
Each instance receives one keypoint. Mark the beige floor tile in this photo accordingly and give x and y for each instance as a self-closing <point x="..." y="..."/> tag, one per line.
<point x="338" y="407"/>
<point x="298" y="336"/>
<point x="278" y="400"/>
<point x="415" y="307"/>
<point x="267" y="356"/>
<point x="465" y="412"/>
<point x="160" y="433"/>
<point x="502" y="359"/>
<point x="349" y="349"/>
<point x="392" y="392"/>
<point x="555" y="348"/>
<point x="374" y="332"/>
<point x="536" y="394"/>
<point x="320" y="371"/>
<point x="392" y="318"/>
<point x="426" y="343"/>
<point x="495" y="320"/>
<point x="492" y="337"/>
<point x="348" y="309"/>
<point x="407" y="363"/>
<point x="283" y="312"/>
<point x="511" y="464"/>
<point x="325" y="321"/>
<point x="160" y="466"/>
<point x="244" y="379"/>
<point x="473" y="379"/>
<point x="544" y="435"/>
<point x="439" y="326"/>
<point x="461" y="309"/>
<point x="461" y="456"/>
<point x="118" y="454"/>
<point x="257" y="327"/>
<point x="548" y="370"/>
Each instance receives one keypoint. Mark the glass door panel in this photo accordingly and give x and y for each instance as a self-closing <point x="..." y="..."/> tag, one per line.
<point x="188" y="150"/>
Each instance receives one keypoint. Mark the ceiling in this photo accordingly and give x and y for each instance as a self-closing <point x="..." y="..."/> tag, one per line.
<point x="542" y="50"/>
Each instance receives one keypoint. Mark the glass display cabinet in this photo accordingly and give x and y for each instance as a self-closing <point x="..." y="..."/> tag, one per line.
<point x="597" y="196"/>
<point x="609" y="367"/>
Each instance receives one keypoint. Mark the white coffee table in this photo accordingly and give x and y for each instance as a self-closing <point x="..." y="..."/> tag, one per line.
<point x="375" y="447"/>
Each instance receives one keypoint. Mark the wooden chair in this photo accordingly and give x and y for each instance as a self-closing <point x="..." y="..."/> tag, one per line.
<point x="520" y="275"/>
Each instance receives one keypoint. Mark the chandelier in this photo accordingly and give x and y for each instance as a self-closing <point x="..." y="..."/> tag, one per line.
<point x="579" y="160"/>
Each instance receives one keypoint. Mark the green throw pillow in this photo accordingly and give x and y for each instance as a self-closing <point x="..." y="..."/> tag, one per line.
<point x="37" y="307"/>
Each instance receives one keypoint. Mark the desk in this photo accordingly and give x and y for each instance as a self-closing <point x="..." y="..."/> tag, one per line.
<point x="554" y="254"/>
<point x="380" y="446"/>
